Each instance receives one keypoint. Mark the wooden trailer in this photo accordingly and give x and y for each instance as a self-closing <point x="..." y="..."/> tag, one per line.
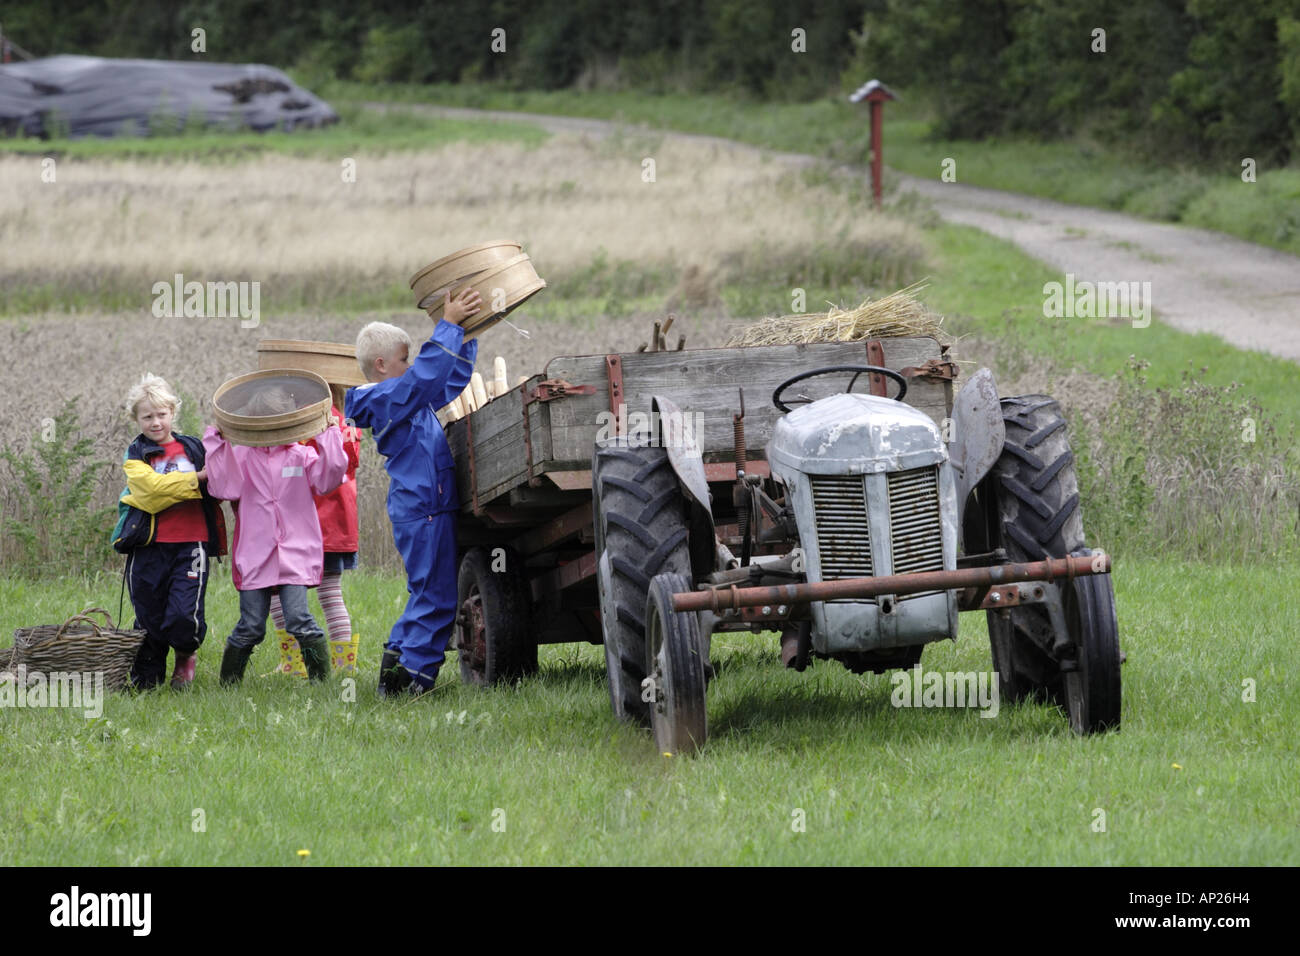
<point x="523" y="461"/>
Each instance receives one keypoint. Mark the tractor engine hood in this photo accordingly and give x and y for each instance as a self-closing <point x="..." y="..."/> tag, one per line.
<point x="855" y="434"/>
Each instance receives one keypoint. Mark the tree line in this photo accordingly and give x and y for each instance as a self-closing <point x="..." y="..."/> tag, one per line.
<point x="1184" y="80"/>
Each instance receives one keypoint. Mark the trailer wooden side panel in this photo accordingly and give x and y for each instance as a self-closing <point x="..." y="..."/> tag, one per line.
<point x="707" y="383"/>
<point x="500" y="453"/>
<point x="704" y="383"/>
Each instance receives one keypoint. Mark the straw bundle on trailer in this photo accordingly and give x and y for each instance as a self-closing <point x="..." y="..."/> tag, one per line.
<point x="897" y="315"/>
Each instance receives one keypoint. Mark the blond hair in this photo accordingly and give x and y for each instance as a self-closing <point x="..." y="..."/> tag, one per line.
<point x="153" y="389"/>
<point x="379" y="340"/>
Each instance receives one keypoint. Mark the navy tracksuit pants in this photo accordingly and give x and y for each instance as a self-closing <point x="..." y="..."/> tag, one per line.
<point x="167" y="583"/>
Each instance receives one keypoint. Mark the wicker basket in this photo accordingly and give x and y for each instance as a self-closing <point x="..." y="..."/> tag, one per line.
<point x="79" y="644"/>
<point x="310" y="395"/>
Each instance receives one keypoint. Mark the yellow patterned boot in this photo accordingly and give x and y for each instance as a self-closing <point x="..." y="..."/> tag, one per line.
<point x="291" y="661"/>
<point x="343" y="654"/>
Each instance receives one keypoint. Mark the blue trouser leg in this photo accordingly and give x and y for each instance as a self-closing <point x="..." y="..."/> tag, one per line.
<point x="254" y="606"/>
<point x="428" y="549"/>
<point x="298" y="619"/>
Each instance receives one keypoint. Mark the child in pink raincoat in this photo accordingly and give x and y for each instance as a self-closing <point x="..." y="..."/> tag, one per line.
<point x="277" y="538"/>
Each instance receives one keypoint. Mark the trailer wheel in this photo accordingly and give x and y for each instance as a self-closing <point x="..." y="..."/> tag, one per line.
<point x="674" y="669"/>
<point x="493" y="641"/>
<point x="1032" y="495"/>
<point x="640" y="526"/>
<point x="1092" y="681"/>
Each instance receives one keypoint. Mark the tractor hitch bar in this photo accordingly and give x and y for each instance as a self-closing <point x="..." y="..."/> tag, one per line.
<point x="729" y="597"/>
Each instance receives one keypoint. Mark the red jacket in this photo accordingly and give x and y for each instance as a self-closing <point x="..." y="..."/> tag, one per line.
<point x="337" y="510"/>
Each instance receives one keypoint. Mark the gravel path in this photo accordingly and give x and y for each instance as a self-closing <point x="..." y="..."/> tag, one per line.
<point x="1200" y="281"/>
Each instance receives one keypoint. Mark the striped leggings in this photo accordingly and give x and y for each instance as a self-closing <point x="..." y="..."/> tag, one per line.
<point x="337" y="620"/>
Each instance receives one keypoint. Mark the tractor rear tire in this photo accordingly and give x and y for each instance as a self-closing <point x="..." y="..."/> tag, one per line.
<point x="1036" y="491"/>
<point x="640" y="526"/>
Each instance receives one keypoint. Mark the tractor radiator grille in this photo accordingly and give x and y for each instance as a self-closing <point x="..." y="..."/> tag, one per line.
<point x="915" y="529"/>
<point x="843" y="537"/>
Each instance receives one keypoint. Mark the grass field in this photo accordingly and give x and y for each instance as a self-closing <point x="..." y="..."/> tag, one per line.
<point x="277" y="766"/>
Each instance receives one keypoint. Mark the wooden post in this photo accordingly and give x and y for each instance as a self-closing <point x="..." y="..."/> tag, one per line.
<point x="876" y="111"/>
<point x="876" y="94"/>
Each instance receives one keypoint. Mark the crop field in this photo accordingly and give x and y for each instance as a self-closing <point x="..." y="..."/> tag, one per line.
<point x="812" y="768"/>
<point x="83" y="255"/>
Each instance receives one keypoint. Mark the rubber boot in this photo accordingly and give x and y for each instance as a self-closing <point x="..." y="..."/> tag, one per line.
<point x="393" y="677"/>
<point x="183" y="672"/>
<point x="316" y="656"/>
<point x="343" y="654"/>
<point x="400" y="683"/>
<point x="291" y="662"/>
<point x="233" y="662"/>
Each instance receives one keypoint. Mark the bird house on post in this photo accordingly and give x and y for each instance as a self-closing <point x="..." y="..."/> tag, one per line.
<point x="875" y="93"/>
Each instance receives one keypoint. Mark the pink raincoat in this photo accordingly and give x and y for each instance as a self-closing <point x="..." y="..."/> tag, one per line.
<point x="277" y="532"/>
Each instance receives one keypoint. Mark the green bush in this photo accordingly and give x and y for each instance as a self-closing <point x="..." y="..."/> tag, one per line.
<point x="1265" y="211"/>
<point x="1166" y="197"/>
<point x="394" y="55"/>
<point x="1288" y="69"/>
<point x="1194" y="471"/>
<point x="49" y="522"/>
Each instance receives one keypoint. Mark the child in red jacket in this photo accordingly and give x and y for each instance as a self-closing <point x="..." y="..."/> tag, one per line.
<point x="337" y="511"/>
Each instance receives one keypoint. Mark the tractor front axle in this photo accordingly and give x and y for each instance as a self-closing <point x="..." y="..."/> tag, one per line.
<point x="984" y="579"/>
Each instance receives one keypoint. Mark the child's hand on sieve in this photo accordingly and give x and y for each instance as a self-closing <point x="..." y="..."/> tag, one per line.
<point x="459" y="309"/>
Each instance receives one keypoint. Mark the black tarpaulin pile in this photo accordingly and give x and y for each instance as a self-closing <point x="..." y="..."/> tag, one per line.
<point x="95" y="96"/>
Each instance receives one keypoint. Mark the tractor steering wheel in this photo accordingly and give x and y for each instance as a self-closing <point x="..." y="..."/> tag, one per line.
<point x="856" y="369"/>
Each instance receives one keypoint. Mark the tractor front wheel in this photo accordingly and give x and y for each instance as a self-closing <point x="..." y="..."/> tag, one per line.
<point x="1092" y="679"/>
<point x="674" y="669"/>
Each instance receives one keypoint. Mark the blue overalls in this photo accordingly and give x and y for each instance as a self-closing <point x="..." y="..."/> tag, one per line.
<point x="422" y="498"/>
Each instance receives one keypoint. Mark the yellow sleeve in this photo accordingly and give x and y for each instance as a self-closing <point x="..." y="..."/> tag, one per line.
<point x="152" y="492"/>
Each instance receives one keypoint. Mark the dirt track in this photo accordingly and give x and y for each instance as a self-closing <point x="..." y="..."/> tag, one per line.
<point x="1201" y="281"/>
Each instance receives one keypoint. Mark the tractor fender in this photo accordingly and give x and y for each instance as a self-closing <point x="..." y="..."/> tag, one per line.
<point x="977" y="435"/>
<point x="675" y="433"/>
